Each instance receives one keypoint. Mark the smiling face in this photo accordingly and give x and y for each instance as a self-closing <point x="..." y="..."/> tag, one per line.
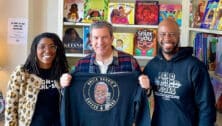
<point x="144" y="45"/>
<point x="100" y="92"/>
<point x="101" y="41"/>
<point x="46" y="52"/>
<point x="119" y="43"/>
<point x="168" y="37"/>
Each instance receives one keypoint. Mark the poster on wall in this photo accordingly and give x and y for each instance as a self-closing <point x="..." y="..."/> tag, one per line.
<point x="17" y="31"/>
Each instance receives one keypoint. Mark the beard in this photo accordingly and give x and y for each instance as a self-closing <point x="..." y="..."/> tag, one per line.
<point x="169" y="50"/>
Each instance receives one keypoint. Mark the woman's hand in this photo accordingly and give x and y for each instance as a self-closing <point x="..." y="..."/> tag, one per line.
<point x="144" y="81"/>
<point x="65" y="80"/>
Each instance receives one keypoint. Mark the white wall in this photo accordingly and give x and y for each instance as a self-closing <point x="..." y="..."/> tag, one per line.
<point x="42" y="16"/>
<point x="10" y="54"/>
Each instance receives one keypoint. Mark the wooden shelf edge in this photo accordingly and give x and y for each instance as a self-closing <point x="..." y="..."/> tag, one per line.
<point x="79" y="55"/>
<point x="205" y="30"/>
<point x="114" y="25"/>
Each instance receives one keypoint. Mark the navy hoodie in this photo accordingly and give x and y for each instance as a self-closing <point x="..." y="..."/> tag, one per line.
<point x="104" y="100"/>
<point x="183" y="92"/>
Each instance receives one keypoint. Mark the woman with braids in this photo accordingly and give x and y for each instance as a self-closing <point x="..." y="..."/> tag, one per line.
<point x="33" y="94"/>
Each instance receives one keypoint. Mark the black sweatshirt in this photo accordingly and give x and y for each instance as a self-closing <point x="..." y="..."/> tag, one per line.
<point x="183" y="92"/>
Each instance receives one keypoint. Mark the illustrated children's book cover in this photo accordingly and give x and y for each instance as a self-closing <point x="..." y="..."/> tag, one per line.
<point x="124" y="42"/>
<point x="121" y="13"/>
<point x="73" y="10"/>
<point x="198" y="13"/>
<point x="147" y="12"/>
<point x="198" y="46"/>
<point x="87" y="47"/>
<point x="209" y="13"/>
<point x="95" y="10"/>
<point x="145" y="43"/>
<point x="211" y="52"/>
<point x="72" y="40"/>
<point x="173" y="11"/>
<point x="217" y="19"/>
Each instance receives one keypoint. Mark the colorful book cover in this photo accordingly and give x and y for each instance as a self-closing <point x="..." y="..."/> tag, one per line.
<point x="218" y="69"/>
<point x="198" y="13"/>
<point x="95" y="10"/>
<point x="198" y="45"/>
<point x="73" y="10"/>
<point x="72" y="41"/>
<point x="147" y="12"/>
<point x="205" y="40"/>
<point x="218" y="23"/>
<point x="209" y="14"/>
<point x="211" y="52"/>
<point x="145" y="43"/>
<point x="121" y="13"/>
<point x="217" y="19"/>
<point x="87" y="47"/>
<point x="124" y="42"/>
<point x="173" y="11"/>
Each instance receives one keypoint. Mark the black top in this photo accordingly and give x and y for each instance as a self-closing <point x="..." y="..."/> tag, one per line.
<point x="47" y="106"/>
<point x="182" y="89"/>
<point x="104" y="100"/>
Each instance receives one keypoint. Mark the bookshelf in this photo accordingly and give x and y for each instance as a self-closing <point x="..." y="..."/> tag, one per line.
<point x="114" y="25"/>
<point x="205" y="31"/>
<point x="194" y="4"/>
<point x="186" y="30"/>
<point x="192" y="29"/>
<point x="131" y="28"/>
<point x="117" y="28"/>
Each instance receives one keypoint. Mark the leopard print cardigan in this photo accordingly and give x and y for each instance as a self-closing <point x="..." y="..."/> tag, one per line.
<point x="21" y="97"/>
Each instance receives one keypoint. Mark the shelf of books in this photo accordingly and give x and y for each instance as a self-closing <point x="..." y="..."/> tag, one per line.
<point x="211" y="31"/>
<point x="82" y="55"/>
<point x="135" y="24"/>
<point x="205" y="34"/>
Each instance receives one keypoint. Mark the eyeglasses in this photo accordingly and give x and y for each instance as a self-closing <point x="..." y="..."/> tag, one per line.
<point x="169" y="34"/>
<point x="49" y="47"/>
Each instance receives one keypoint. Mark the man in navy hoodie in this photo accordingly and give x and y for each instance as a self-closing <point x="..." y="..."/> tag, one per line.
<point x="181" y="85"/>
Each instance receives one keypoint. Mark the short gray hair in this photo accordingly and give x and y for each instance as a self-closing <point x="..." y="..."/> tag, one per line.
<point x="101" y="24"/>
